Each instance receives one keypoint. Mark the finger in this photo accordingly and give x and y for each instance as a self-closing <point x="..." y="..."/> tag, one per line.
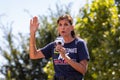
<point x="38" y="25"/>
<point x="62" y="50"/>
<point x="57" y="49"/>
<point x="35" y="20"/>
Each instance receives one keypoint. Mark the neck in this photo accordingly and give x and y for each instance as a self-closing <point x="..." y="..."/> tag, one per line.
<point x="68" y="39"/>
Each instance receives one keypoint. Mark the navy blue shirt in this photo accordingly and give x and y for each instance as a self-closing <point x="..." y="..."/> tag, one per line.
<point x="76" y="50"/>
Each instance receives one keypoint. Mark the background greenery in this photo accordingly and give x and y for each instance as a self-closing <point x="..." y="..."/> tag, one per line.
<point x="98" y="23"/>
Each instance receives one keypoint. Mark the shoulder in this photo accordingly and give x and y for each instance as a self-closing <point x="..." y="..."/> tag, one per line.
<point x="51" y="44"/>
<point x="80" y="40"/>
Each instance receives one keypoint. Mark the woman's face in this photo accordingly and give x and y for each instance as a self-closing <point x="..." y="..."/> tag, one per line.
<point x="64" y="28"/>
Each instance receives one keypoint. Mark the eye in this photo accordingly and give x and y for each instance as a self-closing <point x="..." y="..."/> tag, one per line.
<point x="60" y="24"/>
<point x="66" y="24"/>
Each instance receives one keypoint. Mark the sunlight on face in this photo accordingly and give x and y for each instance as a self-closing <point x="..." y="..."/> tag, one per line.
<point x="64" y="28"/>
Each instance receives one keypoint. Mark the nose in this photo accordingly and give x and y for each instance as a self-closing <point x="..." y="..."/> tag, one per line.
<point x="62" y="27"/>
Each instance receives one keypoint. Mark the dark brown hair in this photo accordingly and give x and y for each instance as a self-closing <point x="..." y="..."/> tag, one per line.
<point x="70" y="20"/>
<point x="67" y="17"/>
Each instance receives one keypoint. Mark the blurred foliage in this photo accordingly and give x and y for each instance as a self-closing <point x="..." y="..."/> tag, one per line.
<point x="99" y="26"/>
<point x="98" y="23"/>
<point x="19" y="66"/>
<point x="117" y="2"/>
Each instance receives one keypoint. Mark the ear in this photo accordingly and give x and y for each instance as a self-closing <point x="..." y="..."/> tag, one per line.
<point x="72" y="28"/>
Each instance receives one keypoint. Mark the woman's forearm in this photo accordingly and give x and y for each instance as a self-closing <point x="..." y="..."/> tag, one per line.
<point x="80" y="67"/>
<point x="32" y="45"/>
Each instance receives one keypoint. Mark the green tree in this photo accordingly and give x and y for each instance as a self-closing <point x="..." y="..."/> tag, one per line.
<point x="99" y="25"/>
<point x="15" y="51"/>
<point x="118" y="5"/>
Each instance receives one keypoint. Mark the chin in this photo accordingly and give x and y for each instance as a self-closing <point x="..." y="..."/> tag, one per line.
<point x="64" y="35"/>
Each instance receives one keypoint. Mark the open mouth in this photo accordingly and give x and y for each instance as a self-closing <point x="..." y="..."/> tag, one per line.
<point x="63" y="31"/>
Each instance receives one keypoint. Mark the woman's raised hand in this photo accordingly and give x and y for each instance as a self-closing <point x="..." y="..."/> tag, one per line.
<point x="34" y="24"/>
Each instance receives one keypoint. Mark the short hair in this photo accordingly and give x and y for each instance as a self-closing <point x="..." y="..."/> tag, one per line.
<point x="67" y="17"/>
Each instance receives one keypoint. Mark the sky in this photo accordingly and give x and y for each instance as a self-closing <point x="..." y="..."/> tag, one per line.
<point x="16" y="11"/>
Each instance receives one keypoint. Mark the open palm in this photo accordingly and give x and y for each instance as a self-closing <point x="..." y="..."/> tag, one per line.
<point x="34" y="24"/>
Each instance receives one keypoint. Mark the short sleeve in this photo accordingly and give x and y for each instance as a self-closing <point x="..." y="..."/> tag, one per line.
<point x="47" y="50"/>
<point x="82" y="50"/>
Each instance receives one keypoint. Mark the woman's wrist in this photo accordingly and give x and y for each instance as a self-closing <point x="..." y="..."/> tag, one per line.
<point x="32" y="33"/>
<point x="66" y="57"/>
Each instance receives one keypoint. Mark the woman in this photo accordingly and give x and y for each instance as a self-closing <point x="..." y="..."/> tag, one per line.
<point x="72" y="61"/>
